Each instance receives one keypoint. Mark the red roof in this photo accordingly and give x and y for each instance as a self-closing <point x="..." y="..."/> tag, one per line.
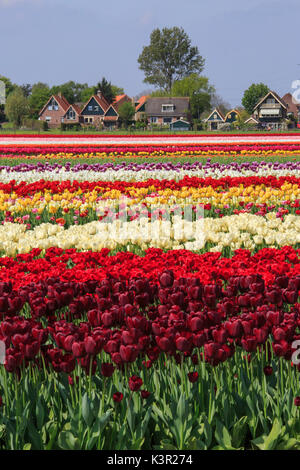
<point x="102" y="102"/>
<point x="61" y="100"/>
<point x="63" y="103"/>
<point x="119" y="97"/>
<point x="141" y="101"/>
<point x="110" y="118"/>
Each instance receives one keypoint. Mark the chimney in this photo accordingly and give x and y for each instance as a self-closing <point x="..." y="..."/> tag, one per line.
<point x="99" y="94"/>
<point x="60" y="94"/>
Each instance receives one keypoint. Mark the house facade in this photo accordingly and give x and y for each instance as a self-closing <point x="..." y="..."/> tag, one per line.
<point x="165" y="110"/>
<point x="270" y="110"/>
<point x="232" y="116"/>
<point x="215" y="120"/>
<point x="95" y="112"/>
<point x="55" y="110"/>
<point x="293" y="106"/>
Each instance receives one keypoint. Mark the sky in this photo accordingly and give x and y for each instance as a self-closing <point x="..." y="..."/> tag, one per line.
<point x="242" y="41"/>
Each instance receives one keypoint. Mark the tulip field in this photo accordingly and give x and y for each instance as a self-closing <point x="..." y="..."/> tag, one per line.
<point x="149" y="293"/>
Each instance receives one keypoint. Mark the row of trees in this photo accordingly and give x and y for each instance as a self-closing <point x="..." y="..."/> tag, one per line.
<point x="27" y="100"/>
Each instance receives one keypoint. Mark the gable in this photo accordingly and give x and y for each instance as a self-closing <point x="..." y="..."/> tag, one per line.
<point x="111" y="112"/>
<point x="215" y="116"/>
<point x="231" y="116"/>
<point x="92" y="108"/>
<point x="142" y="108"/>
<point x="270" y="98"/>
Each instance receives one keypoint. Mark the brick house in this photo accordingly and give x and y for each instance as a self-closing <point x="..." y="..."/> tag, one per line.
<point x="55" y="110"/>
<point x="293" y="107"/>
<point x="165" y="110"/>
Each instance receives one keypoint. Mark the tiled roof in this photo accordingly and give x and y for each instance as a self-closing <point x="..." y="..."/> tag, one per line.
<point x="63" y="103"/>
<point x="61" y="100"/>
<point x="154" y="105"/>
<point x="110" y="118"/>
<point x="102" y="102"/>
<point x="141" y="101"/>
<point x="119" y="97"/>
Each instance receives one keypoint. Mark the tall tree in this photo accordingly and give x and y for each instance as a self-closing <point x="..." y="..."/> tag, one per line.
<point x="198" y="89"/>
<point x="86" y="94"/>
<point x="169" y="57"/>
<point x="106" y="89"/>
<point x="16" y="107"/>
<point x="39" y="96"/>
<point x="70" y="90"/>
<point x="253" y="94"/>
<point x="126" y="113"/>
<point x="26" y="88"/>
<point x="117" y="90"/>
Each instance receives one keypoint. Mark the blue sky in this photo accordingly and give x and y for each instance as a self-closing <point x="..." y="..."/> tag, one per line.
<point x="243" y="41"/>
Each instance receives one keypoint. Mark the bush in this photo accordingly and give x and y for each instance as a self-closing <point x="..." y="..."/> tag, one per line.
<point x="45" y="126"/>
<point x="75" y="126"/>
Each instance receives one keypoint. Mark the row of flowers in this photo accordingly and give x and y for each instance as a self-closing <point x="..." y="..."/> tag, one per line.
<point x="236" y="231"/>
<point x="150" y="150"/>
<point x="132" y="172"/>
<point x="132" y="317"/>
<point x="72" y="265"/>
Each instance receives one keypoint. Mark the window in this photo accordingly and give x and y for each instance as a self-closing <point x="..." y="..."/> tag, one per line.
<point x="71" y="114"/>
<point x="48" y="118"/>
<point x="167" y="120"/>
<point x="215" y="116"/>
<point x="271" y="100"/>
<point x="153" y="119"/>
<point x="167" y="108"/>
<point x="50" y="107"/>
<point x="91" y="120"/>
<point x="90" y="108"/>
<point x="96" y="108"/>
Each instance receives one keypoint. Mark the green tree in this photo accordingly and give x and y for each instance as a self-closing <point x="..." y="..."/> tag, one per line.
<point x="106" y="89"/>
<point x="86" y="94"/>
<point x="253" y="94"/>
<point x="39" y="96"/>
<point x="27" y="89"/>
<point x="117" y="90"/>
<point x="169" y="57"/>
<point x="126" y="113"/>
<point x="16" y="107"/>
<point x="198" y="89"/>
<point x="71" y="90"/>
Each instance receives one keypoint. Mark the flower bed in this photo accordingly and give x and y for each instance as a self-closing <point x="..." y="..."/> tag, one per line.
<point x="150" y="306"/>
